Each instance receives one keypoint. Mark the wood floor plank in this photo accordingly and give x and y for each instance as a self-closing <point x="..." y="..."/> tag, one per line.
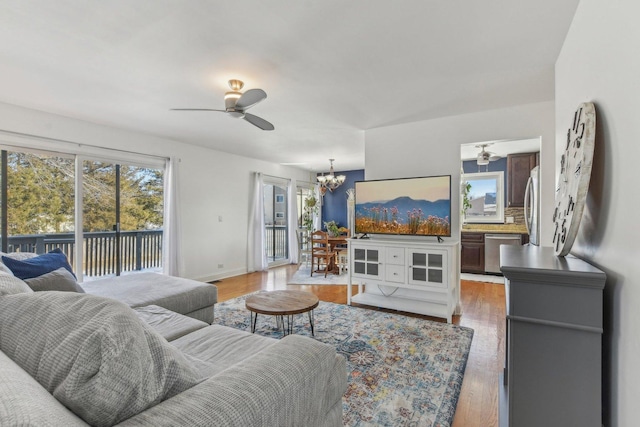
<point x="482" y="309"/>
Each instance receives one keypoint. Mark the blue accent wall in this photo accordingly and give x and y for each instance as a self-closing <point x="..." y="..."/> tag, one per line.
<point x="500" y="165"/>
<point x="334" y="204"/>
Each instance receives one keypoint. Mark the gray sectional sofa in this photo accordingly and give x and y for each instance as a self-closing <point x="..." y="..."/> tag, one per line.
<point x="122" y="355"/>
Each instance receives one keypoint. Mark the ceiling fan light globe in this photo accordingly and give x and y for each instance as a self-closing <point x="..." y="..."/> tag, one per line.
<point x="482" y="159"/>
<point x="230" y="99"/>
<point x="232" y="95"/>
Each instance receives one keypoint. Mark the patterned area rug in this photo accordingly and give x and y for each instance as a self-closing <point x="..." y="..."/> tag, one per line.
<point x="303" y="277"/>
<point x="402" y="371"/>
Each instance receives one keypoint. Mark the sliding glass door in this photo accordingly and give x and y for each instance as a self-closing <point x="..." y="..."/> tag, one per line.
<point x="276" y="218"/>
<point x="122" y="215"/>
<point x="121" y="211"/>
<point x="37" y="202"/>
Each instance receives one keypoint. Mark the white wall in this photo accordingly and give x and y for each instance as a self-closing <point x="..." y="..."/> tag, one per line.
<point x="432" y="147"/>
<point x="211" y="184"/>
<point x="600" y="62"/>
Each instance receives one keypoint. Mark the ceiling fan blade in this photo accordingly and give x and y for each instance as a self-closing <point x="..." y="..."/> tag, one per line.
<point x="258" y="121"/>
<point x="196" y="109"/>
<point x="250" y="98"/>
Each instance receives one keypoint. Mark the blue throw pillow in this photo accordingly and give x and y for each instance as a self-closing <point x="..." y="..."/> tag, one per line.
<point x="37" y="266"/>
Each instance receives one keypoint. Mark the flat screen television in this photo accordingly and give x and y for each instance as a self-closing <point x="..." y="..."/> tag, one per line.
<point x="406" y="206"/>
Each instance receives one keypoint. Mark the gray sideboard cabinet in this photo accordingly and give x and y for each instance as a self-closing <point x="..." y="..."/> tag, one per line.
<point x="553" y="347"/>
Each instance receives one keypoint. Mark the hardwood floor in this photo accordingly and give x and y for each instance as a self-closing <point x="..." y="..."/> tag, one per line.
<point x="482" y="310"/>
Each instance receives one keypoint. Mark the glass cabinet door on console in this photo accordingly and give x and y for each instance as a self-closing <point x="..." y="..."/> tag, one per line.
<point x="428" y="268"/>
<point x="366" y="262"/>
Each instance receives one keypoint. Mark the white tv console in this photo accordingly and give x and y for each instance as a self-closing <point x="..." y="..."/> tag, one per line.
<point x="407" y="275"/>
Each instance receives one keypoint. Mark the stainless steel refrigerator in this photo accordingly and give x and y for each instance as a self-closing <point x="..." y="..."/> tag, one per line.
<point x="532" y="206"/>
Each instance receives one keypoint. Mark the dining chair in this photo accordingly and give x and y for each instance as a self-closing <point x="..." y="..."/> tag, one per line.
<point x="321" y="253"/>
<point x="342" y="253"/>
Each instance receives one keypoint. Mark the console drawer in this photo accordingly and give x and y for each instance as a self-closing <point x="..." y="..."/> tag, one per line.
<point x="395" y="256"/>
<point x="395" y="273"/>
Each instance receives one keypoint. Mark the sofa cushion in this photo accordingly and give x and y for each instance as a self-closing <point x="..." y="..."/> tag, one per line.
<point x="56" y="280"/>
<point x="24" y="402"/>
<point x="297" y="381"/>
<point x="38" y="265"/>
<point x="14" y="255"/>
<point x="216" y="348"/>
<point x="93" y="354"/>
<point x="9" y="284"/>
<point x="167" y="323"/>
<point x="173" y="293"/>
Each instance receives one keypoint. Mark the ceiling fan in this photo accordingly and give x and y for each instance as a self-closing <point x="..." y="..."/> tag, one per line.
<point x="236" y="104"/>
<point x="484" y="157"/>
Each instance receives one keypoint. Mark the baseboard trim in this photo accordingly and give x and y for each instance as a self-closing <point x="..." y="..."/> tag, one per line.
<point x="224" y="275"/>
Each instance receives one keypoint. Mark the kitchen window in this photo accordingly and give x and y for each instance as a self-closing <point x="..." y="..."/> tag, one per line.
<point x="483" y="197"/>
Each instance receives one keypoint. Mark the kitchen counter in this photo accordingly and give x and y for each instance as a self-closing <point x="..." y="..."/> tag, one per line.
<point x="495" y="228"/>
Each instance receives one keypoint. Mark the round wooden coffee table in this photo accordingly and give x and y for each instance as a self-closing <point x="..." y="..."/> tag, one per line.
<point x="281" y="304"/>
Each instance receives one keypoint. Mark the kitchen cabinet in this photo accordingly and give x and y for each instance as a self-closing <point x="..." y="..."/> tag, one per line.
<point x="412" y="276"/>
<point x="472" y="254"/>
<point x="553" y="360"/>
<point x="518" y="171"/>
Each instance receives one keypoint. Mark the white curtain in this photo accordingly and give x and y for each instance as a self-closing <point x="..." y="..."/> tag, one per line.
<point x="317" y="219"/>
<point x="256" y="255"/>
<point x="351" y="210"/>
<point x="171" y="233"/>
<point x="292" y="223"/>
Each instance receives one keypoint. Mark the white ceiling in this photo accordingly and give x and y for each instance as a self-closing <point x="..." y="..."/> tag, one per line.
<point x="331" y="69"/>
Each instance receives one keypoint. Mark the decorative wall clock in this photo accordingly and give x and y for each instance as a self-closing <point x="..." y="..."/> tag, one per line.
<point x="573" y="182"/>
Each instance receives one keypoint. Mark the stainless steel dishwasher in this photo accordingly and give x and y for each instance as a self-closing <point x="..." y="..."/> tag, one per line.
<point x="492" y="244"/>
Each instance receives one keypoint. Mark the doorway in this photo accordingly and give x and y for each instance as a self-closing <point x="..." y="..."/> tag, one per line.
<point x="276" y="220"/>
<point x="493" y="200"/>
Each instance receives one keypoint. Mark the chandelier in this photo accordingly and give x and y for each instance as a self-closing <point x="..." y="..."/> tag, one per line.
<point x="330" y="181"/>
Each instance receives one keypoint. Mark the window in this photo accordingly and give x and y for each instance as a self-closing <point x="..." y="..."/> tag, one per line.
<point x="483" y="197"/>
<point x="122" y="210"/>
<point x="38" y="211"/>
<point x="307" y="206"/>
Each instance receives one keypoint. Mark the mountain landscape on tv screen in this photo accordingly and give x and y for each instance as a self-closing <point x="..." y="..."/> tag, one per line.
<point x="404" y="215"/>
